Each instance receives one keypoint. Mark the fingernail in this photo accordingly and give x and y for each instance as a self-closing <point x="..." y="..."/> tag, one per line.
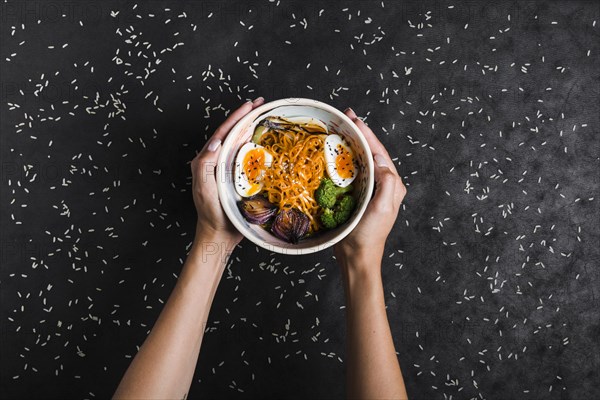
<point x="214" y="145"/>
<point x="380" y="160"/>
<point x="353" y="117"/>
<point x="256" y="100"/>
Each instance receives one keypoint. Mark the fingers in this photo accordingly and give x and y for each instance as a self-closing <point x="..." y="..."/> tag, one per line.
<point x="374" y="143"/>
<point x="387" y="185"/>
<point x="235" y="116"/>
<point x="221" y="133"/>
<point x="367" y="132"/>
<point x="206" y="171"/>
<point x="390" y="188"/>
<point x="203" y="165"/>
<point x="203" y="168"/>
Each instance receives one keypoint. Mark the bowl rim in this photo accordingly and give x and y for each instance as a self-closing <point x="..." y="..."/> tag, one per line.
<point x="221" y="175"/>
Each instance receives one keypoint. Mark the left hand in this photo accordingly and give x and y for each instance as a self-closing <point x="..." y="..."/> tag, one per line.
<point x="212" y="221"/>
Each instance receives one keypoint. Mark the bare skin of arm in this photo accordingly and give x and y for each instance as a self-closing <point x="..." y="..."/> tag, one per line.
<point x="373" y="371"/>
<point x="165" y="365"/>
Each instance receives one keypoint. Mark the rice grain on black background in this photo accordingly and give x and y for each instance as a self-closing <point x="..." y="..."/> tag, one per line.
<point x="491" y="112"/>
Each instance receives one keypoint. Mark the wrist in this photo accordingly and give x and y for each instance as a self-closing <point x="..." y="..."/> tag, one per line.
<point x="206" y="236"/>
<point x="363" y="286"/>
<point x="210" y="247"/>
<point x="362" y="270"/>
<point x="359" y="257"/>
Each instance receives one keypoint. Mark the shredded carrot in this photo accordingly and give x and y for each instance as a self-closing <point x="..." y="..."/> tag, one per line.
<point x="296" y="172"/>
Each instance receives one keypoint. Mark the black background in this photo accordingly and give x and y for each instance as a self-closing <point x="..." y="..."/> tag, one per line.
<point x="491" y="112"/>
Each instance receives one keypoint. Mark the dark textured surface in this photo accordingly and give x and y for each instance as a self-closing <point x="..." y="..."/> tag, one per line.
<point x="491" y="275"/>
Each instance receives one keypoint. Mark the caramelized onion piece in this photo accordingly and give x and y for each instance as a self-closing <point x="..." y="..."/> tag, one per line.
<point x="257" y="209"/>
<point x="290" y="225"/>
<point x="306" y="124"/>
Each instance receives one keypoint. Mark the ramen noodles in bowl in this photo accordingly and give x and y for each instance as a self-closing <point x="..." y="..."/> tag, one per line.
<point x="295" y="178"/>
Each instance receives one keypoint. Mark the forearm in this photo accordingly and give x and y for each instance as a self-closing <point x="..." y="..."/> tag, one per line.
<point x="165" y="364"/>
<point x="373" y="370"/>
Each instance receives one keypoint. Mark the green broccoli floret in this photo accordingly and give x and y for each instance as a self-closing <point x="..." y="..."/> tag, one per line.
<point x="344" y="209"/>
<point x="341" y="212"/>
<point x="327" y="193"/>
<point x="328" y="219"/>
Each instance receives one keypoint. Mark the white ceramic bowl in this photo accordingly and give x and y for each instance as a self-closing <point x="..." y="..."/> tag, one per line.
<point x="242" y="133"/>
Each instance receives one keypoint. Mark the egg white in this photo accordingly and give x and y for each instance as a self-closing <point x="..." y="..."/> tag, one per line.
<point x="242" y="185"/>
<point x="331" y="152"/>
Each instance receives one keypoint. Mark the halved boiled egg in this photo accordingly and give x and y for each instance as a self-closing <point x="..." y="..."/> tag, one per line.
<point x="250" y="165"/>
<point x="339" y="160"/>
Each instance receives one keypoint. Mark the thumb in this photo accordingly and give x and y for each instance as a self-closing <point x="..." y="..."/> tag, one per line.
<point x="385" y="185"/>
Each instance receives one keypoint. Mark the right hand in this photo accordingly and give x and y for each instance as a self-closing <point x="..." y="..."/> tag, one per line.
<point x="366" y="242"/>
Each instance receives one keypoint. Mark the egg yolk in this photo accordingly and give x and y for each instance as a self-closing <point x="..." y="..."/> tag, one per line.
<point x="254" y="164"/>
<point x="344" y="164"/>
<point x="255" y="188"/>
